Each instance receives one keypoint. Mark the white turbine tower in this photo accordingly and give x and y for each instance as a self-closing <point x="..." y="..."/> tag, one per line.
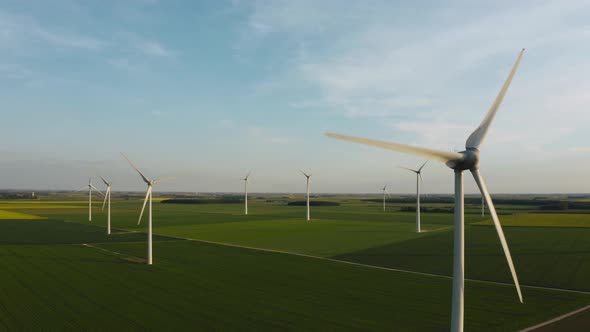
<point x="90" y="186"/>
<point x="418" y="180"/>
<point x="384" y="188"/>
<point x="245" y="179"/>
<point x="459" y="162"/>
<point x="148" y="197"/>
<point x="307" y="176"/>
<point x="107" y="197"/>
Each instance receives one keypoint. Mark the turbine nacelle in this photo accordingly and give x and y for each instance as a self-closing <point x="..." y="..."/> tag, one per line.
<point x="469" y="160"/>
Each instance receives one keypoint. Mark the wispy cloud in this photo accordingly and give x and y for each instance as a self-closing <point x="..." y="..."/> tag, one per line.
<point x="154" y="48"/>
<point x="21" y="32"/>
<point x="438" y="77"/>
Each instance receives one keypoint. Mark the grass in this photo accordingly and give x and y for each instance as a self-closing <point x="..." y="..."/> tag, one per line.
<point x="204" y="286"/>
<point x="543" y="220"/>
<point x="211" y="287"/>
<point x="17" y="215"/>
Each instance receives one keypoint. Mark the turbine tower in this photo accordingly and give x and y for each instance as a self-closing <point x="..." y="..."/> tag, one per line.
<point x="418" y="180"/>
<point x="384" y="188"/>
<point x="107" y="196"/>
<point x="459" y="162"/>
<point x="245" y="179"/>
<point x="90" y="186"/>
<point x="307" y="203"/>
<point x="148" y="197"/>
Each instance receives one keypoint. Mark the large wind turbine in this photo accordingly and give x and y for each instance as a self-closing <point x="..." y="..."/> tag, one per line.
<point x="459" y="162"/>
<point x="245" y="179"/>
<point x="148" y="197"/>
<point x="90" y="186"/>
<point x="307" y="176"/>
<point x="418" y="179"/>
<point x="107" y="197"/>
<point x="384" y="188"/>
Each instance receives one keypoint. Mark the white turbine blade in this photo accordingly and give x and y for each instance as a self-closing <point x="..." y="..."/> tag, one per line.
<point x="137" y="169"/>
<point x="302" y="172"/>
<point x="420" y="175"/>
<point x="105" y="197"/>
<point x="247" y="175"/>
<point x="103" y="180"/>
<point x="477" y="137"/>
<point x="93" y="187"/>
<point x="84" y="187"/>
<point x="442" y="156"/>
<point x="147" y="194"/>
<point x="421" y="167"/>
<point x="409" y="169"/>
<point x="484" y="191"/>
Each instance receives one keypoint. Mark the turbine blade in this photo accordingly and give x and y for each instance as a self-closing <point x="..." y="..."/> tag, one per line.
<point x="409" y="169"/>
<point x="302" y="172"/>
<point x="421" y="167"/>
<point x="84" y="187"/>
<point x="484" y="191"/>
<point x="420" y="175"/>
<point x="442" y="156"/>
<point x="147" y="193"/>
<point x="96" y="189"/>
<point x="105" y="197"/>
<point x="103" y="180"/>
<point x="477" y="137"/>
<point x="137" y="169"/>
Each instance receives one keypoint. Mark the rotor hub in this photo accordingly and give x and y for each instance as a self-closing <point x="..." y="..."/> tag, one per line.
<point x="469" y="161"/>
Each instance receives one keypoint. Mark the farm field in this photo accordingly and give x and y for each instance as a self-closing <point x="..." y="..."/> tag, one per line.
<point x="84" y="271"/>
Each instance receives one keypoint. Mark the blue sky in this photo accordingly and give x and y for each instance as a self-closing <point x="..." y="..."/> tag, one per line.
<point x="207" y="90"/>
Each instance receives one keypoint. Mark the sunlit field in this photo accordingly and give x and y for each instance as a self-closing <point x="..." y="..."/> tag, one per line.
<point x="216" y="269"/>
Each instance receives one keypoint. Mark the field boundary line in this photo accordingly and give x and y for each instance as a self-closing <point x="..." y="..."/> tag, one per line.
<point x="112" y="252"/>
<point x="342" y="261"/>
<point x="376" y="266"/>
<point x="556" y="319"/>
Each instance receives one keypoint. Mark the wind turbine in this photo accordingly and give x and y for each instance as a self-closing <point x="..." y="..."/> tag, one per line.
<point x="245" y="179"/>
<point x="459" y="162"/>
<point x="307" y="176"/>
<point x="418" y="179"/>
<point x="148" y="197"/>
<point x="90" y="186"/>
<point x="107" y="196"/>
<point x="384" y="188"/>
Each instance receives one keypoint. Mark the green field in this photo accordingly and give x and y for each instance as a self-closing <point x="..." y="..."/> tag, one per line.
<point x="65" y="273"/>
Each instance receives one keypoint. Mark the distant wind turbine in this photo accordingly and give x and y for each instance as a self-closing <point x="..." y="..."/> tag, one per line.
<point x="90" y="186"/>
<point x="418" y="180"/>
<point x="307" y="176"/>
<point x="148" y="197"/>
<point x="459" y="162"/>
<point x="245" y="179"/>
<point x="107" y="197"/>
<point x="384" y="188"/>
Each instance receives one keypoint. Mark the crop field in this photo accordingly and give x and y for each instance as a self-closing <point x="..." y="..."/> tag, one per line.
<point x="216" y="269"/>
